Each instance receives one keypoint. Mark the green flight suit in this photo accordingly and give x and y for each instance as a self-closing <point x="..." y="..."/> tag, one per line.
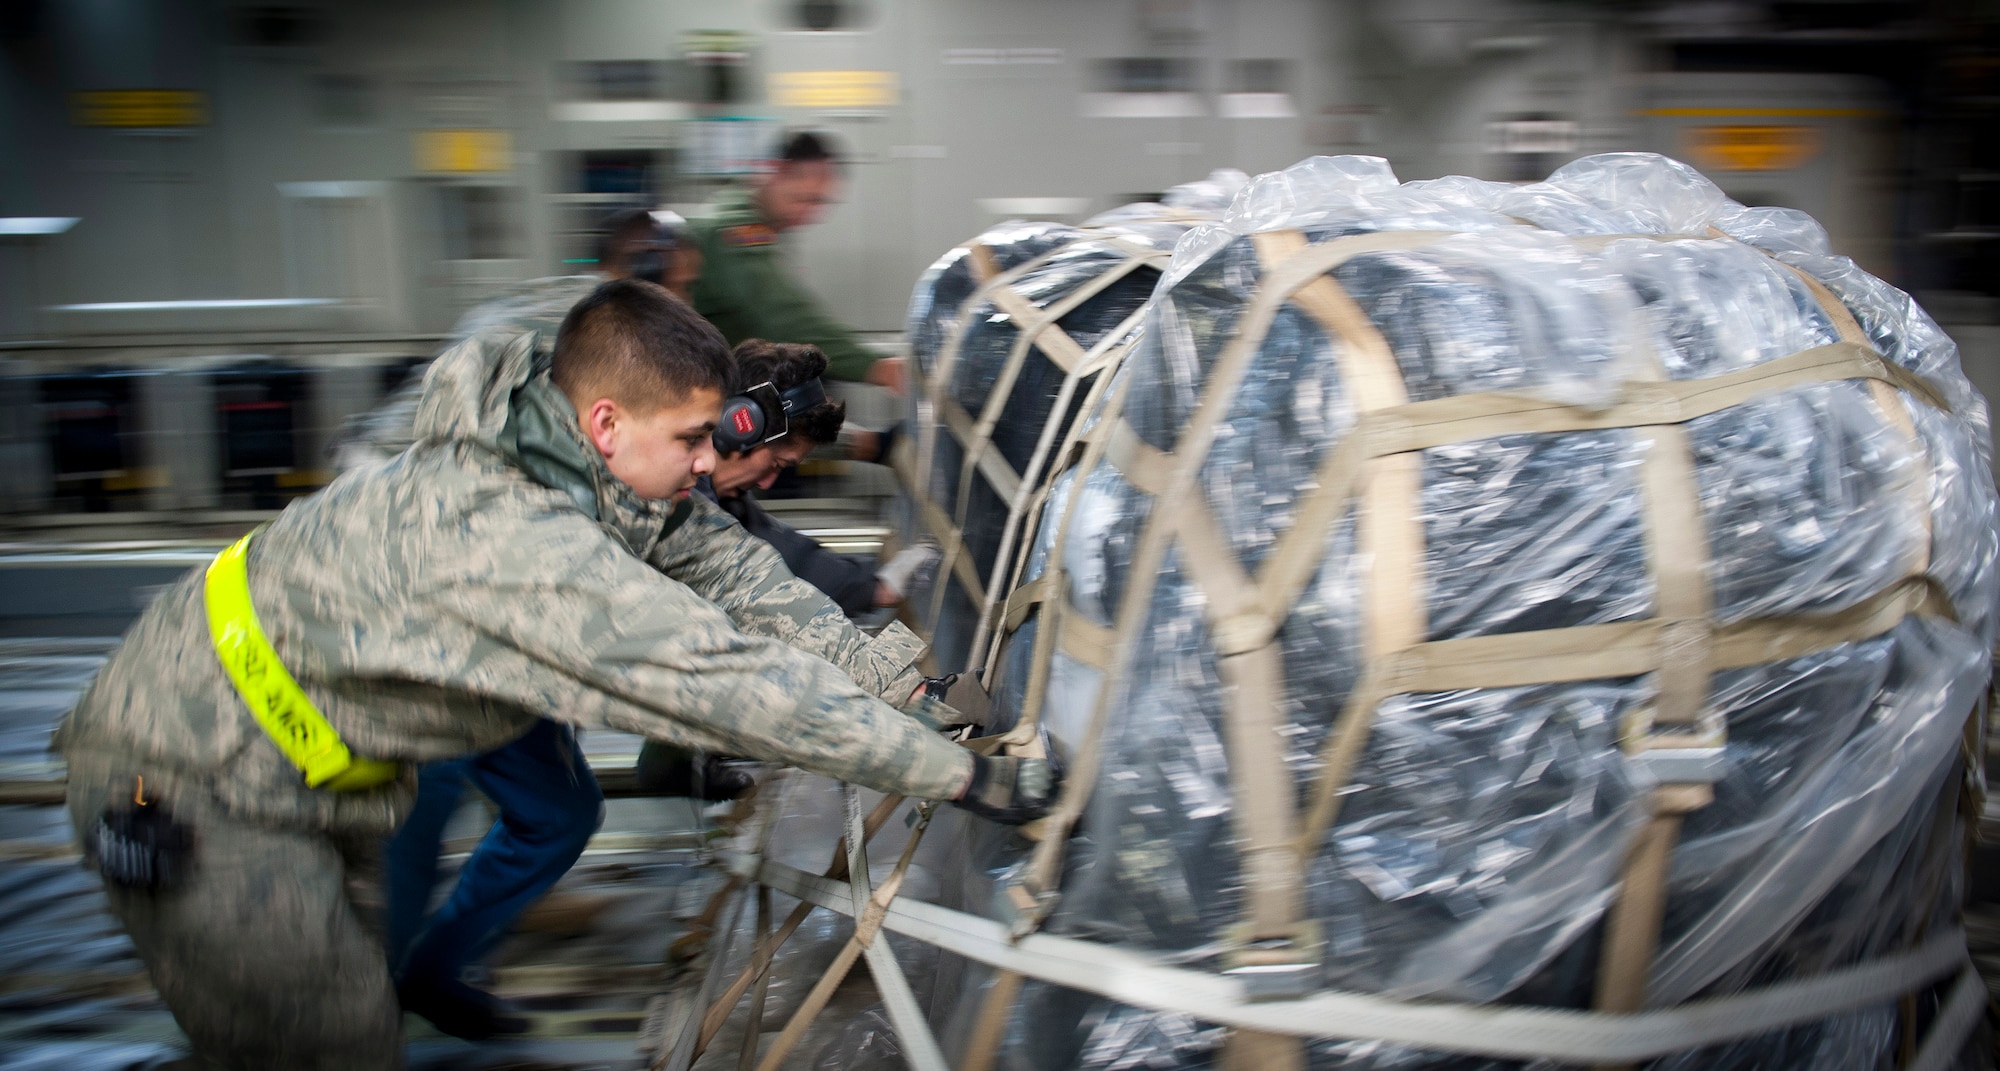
<point x="746" y="291"/>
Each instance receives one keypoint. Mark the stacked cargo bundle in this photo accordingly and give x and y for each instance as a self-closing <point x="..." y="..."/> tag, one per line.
<point x="1486" y="627"/>
<point x="1011" y="333"/>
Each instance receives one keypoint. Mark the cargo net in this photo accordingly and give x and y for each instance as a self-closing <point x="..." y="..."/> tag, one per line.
<point x="1011" y="335"/>
<point x="1484" y="627"/>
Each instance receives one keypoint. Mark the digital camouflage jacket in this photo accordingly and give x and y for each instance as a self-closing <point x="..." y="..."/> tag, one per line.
<point x="436" y="603"/>
<point x="538" y="305"/>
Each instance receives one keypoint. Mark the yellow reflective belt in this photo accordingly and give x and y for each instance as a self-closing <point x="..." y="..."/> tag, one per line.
<point x="281" y="706"/>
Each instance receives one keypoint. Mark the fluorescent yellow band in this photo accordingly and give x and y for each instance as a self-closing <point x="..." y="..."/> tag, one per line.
<point x="281" y="706"/>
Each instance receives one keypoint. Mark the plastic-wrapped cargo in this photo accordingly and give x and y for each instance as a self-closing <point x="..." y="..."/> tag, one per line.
<point x="1570" y="599"/>
<point x="1009" y="333"/>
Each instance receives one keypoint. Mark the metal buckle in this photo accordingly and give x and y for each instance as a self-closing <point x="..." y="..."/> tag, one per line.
<point x="1274" y="966"/>
<point x="1023" y="909"/>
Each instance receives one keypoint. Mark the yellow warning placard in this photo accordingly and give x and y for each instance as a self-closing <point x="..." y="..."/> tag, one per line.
<point x="1766" y="147"/>
<point x="464" y="152"/>
<point x="150" y="109"/>
<point x="833" y="89"/>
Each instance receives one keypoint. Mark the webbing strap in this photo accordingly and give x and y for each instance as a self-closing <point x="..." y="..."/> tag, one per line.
<point x="1677" y="561"/>
<point x="1498" y="1031"/>
<point x="767" y="949"/>
<point x="868" y="909"/>
<point x="1390" y="532"/>
<point x="1161" y="526"/>
<point x="280" y="706"/>
<point x="1035" y="328"/>
<point x="1107" y="352"/>
<point x="1632" y="924"/>
<point x="978" y="452"/>
<point x="1892" y="408"/>
<point x="1138" y="461"/>
<point x="1024" y="600"/>
<point x="934" y="519"/>
<point x="1631" y="648"/>
<point x="1464" y="418"/>
<point x="982" y="1047"/>
<point x="1061" y="623"/>
<point x="1677" y="557"/>
<point x="1253" y="683"/>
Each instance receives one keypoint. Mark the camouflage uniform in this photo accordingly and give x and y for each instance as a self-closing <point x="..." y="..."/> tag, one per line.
<point x="435" y="605"/>
<point x="537" y="305"/>
<point x="745" y="291"/>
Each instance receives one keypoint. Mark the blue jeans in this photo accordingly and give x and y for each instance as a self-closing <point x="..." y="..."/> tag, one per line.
<point x="549" y="806"/>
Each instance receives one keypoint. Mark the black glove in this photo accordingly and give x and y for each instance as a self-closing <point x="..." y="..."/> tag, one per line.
<point x="930" y="707"/>
<point x="1010" y="791"/>
<point x="664" y="770"/>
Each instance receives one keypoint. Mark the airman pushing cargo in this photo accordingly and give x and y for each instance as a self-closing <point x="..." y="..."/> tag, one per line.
<point x="534" y="554"/>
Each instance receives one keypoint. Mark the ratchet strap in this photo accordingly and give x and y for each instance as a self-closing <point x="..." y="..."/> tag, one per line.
<point x="281" y="706"/>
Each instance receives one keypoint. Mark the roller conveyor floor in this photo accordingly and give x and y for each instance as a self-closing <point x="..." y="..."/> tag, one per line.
<point x="73" y="995"/>
<point x="586" y="967"/>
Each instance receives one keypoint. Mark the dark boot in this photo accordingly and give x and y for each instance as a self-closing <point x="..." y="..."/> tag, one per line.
<point x="460" y="1010"/>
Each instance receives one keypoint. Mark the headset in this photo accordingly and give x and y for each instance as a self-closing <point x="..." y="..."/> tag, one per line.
<point x="649" y="262"/>
<point x="649" y="253"/>
<point x="763" y="413"/>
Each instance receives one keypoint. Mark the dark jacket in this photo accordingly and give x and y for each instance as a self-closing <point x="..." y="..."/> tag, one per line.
<point x="846" y="579"/>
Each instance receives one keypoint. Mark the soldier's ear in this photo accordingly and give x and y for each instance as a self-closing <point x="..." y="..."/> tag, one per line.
<point x="602" y="422"/>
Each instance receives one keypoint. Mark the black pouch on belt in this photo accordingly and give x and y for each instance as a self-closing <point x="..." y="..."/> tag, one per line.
<point x="139" y="845"/>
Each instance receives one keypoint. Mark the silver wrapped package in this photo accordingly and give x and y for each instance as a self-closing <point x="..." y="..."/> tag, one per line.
<point x="1449" y="563"/>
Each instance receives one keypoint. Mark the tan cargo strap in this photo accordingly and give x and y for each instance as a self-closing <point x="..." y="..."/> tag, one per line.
<point x="1069" y="628"/>
<point x="1561" y="1035"/>
<point x="767" y="949"/>
<point x="1892" y="407"/>
<point x="1036" y="328"/>
<point x="868" y="916"/>
<point x="1109" y="351"/>
<point x="1677" y="563"/>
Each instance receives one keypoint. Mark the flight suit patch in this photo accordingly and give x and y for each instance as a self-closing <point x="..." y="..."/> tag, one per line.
<point x="746" y="235"/>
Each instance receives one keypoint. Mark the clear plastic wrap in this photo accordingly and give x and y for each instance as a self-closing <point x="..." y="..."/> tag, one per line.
<point x="1050" y="264"/>
<point x="1482" y="832"/>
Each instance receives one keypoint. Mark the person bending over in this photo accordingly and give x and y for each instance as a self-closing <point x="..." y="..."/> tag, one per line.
<point x="536" y="553"/>
<point x="784" y="412"/>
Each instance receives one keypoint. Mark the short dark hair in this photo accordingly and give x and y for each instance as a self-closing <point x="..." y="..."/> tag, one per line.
<point x="806" y="146"/>
<point x="626" y="235"/>
<point x="638" y="345"/>
<point x="785" y="365"/>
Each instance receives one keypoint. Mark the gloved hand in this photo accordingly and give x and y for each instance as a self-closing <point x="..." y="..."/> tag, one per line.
<point x="934" y="714"/>
<point x="1010" y="791"/>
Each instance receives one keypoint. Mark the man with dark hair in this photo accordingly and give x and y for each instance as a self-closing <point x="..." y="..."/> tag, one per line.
<point x="852" y="582"/>
<point x="848" y="580"/>
<point x="548" y="800"/>
<point x="535" y="554"/>
<point x="745" y="289"/>
<point x="641" y="244"/>
<point x="631" y="244"/>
